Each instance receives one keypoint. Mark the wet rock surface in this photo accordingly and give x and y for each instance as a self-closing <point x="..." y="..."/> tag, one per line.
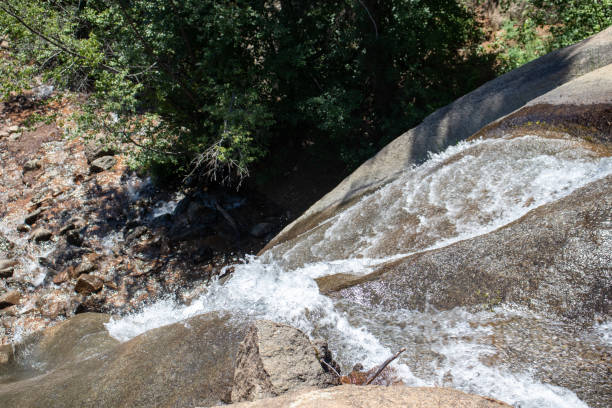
<point x="186" y="364"/>
<point x="351" y="396"/>
<point x="274" y="359"/>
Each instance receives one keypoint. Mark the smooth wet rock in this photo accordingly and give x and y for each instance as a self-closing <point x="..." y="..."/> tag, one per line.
<point x="274" y="359"/>
<point x="353" y="396"/>
<point x="88" y="284"/>
<point x="103" y="163"/>
<point x="9" y="299"/>
<point x="41" y="235"/>
<point x="187" y="364"/>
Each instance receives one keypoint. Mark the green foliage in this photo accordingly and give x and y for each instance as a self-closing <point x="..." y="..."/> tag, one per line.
<point x="208" y="87"/>
<point x="518" y="44"/>
<point x="572" y="20"/>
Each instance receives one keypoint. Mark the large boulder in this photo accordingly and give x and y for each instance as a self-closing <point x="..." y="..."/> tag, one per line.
<point x="274" y="359"/>
<point x="352" y="396"/>
<point x="555" y="259"/>
<point x="581" y="108"/>
<point x="457" y="121"/>
<point x="78" y="364"/>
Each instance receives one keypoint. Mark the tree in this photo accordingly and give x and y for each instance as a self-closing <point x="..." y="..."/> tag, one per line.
<point x="207" y="87"/>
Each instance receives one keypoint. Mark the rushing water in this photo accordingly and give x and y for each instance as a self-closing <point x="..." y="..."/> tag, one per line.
<point x="469" y="190"/>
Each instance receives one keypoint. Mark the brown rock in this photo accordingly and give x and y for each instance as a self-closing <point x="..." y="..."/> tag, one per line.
<point x="9" y="299"/>
<point x="87" y="284"/>
<point x="85" y="267"/>
<point x="23" y="228"/>
<point x="41" y="235"/>
<point x="353" y="396"/>
<point x="74" y="223"/>
<point x="32" y="217"/>
<point x="6" y="272"/>
<point x="61" y="277"/>
<point x="273" y="359"/>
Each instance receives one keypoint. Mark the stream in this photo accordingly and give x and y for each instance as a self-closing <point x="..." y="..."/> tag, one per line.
<point x="520" y="355"/>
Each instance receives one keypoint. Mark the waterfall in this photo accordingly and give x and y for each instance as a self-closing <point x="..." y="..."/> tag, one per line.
<point x="469" y="190"/>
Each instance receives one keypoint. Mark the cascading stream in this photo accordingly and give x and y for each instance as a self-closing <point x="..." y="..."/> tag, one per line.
<point x="469" y="190"/>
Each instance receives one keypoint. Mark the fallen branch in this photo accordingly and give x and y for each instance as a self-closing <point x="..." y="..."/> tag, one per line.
<point x="331" y="368"/>
<point x="385" y="364"/>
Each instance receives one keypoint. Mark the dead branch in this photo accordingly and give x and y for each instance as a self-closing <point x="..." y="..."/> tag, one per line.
<point x="385" y="364"/>
<point x="333" y="370"/>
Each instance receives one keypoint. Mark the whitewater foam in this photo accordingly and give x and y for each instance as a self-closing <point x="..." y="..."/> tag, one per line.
<point x="469" y="190"/>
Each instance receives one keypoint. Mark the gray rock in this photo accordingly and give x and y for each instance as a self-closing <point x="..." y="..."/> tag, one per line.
<point x="187" y="364"/>
<point x="13" y="129"/>
<point x="102" y="164"/>
<point x="261" y="229"/>
<point x="43" y="92"/>
<point x="72" y="224"/>
<point x="9" y="299"/>
<point x="94" y="151"/>
<point x="31" y="165"/>
<point x="274" y="359"/>
<point x="3" y="134"/>
<point x="41" y="235"/>
<point x="88" y="284"/>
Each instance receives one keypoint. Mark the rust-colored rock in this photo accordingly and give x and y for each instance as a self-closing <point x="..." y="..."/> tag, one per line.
<point x="87" y="284"/>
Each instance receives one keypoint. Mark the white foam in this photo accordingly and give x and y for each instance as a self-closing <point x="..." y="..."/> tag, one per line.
<point x="604" y="331"/>
<point x="471" y="189"/>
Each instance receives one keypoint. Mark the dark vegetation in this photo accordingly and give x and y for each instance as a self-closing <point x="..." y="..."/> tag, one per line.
<point x="215" y="91"/>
